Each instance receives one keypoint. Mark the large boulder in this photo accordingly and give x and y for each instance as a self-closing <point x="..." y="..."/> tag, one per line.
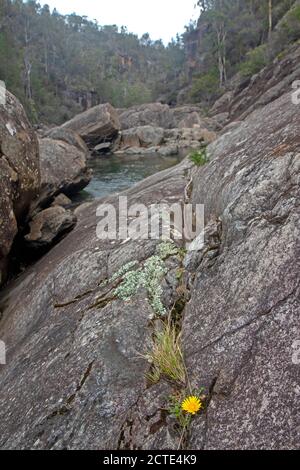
<point x="19" y="173"/>
<point x="168" y="150"/>
<point x="198" y="135"/>
<point x="144" y="136"/>
<point x="48" y="225"/>
<point x="96" y="125"/>
<point x="190" y="116"/>
<point x="159" y="115"/>
<point x="61" y="200"/>
<point x="222" y="103"/>
<point x="190" y="121"/>
<point x="79" y="345"/>
<point x="150" y="136"/>
<point x="153" y="114"/>
<point x="63" y="169"/>
<point x="129" y="138"/>
<point x="182" y="113"/>
<point x="68" y="136"/>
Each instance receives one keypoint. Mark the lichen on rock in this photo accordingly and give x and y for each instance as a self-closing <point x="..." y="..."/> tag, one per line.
<point x="148" y="277"/>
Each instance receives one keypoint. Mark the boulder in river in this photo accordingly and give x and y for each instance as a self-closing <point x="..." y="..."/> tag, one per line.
<point x="129" y="138"/>
<point x="168" y="150"/>
<point x="193" y="119"/>
<point x="150" y="136"/>
<point x="198" y="135"/>
<point x="96" y="125"/>
<point x="143" y="136"/>
<point x="152" y="114"/>
<point x="19" y="173"/>
<point x="63" y="169"/>
<point x="162" y="115"/>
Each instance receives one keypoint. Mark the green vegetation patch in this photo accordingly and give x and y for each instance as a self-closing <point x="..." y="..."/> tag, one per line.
<point x="205" y="87"/>
<point x="255" y="61"/>
<point x="199" y="157"/>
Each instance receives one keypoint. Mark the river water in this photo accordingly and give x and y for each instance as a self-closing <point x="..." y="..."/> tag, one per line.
<point x="115" y="173"/>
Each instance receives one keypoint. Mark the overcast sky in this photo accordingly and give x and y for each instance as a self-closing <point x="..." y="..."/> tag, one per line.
<point x="162" y="19"/>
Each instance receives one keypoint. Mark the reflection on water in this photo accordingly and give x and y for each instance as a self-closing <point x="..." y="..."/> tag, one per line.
<point x="115" y="173"/>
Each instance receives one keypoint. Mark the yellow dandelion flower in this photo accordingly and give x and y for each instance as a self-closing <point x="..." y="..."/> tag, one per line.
<point x="191" y="405"/>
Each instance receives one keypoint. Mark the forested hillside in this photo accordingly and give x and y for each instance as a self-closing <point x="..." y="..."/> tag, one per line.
<point x="51" y="62"/>
<point x="59" y="65"/>
<point x="236" y="36"/>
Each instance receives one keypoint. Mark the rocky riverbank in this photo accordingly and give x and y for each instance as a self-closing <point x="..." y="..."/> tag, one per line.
<point x="143" y="130"/>
<point x="78" y="324"/>
<point x="75" y="377"/>
<point x="60" y="161"/>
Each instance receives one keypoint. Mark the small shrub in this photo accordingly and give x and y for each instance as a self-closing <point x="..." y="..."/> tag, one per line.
<point x="205" y="87"/>
<point x="199" y="157"/>
<point x="291" y="25"/>
<point x="255" y="61"/>
<point x="295" y="13"/>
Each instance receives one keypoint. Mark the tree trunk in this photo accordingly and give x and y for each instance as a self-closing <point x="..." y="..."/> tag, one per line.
<point x="46" y="58"/>
<point x="28" y="66"/>
<point x="27" y="63"/>
<point x="270" y="18"/>
<point x="221" y="39"/>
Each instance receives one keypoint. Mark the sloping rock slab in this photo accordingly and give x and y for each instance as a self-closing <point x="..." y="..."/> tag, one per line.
<point x="74" y="371"/>
<point x="241" y="328"/>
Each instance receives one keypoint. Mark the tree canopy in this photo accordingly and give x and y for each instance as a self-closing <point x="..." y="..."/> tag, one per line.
<point x="59" y="65"/>
<point x="51" y="61"/>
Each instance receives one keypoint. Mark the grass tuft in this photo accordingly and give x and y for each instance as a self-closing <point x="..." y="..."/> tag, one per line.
<point x="166" y="355"/>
